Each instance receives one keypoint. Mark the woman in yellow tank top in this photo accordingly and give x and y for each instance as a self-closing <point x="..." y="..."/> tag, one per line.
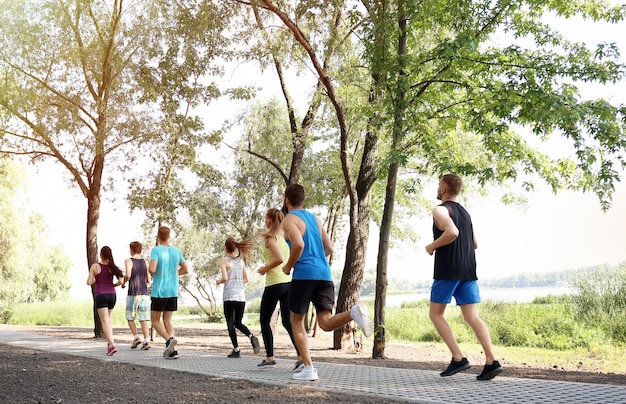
<point x="275" y="253"/>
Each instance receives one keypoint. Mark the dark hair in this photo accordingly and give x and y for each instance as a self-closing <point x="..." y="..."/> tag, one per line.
<point x="135" y="247"/>
<point x="245" y="247"/>
<point x="106" y="254"/>
<point x="453" y="182"/>
<point x="164" y="233"/>
<point x="295" y="194"/>
<point x="276" y="216"/>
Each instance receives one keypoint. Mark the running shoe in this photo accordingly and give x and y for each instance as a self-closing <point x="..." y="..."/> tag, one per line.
<point x="306" y="374"/>
<point x="298" y="366"/>
<point x="265" y="364"/>
<point x="256" y="347"/>
<point x="172" y="355"/>
<point x="455" y="367"/>
<point x="490" y="371"/>
<point x="145" y="346"/>
<point x="234" y="354"/>
<point x="136" y="343"/>
<point x="169" y="347"/>
<point x="111" y="350"/>
<point x="361" y="315"/>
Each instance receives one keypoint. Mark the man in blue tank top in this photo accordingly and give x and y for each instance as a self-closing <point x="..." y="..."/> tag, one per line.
<point x="455" y="276"/>
<point x="312" y="281"/>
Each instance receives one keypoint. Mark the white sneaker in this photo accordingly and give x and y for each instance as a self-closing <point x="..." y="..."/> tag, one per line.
<point x="306" y="374"/>
<point x="360" y="314"/>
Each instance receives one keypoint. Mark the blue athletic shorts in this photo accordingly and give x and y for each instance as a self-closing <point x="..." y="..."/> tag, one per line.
<point x="464" y="292"/>
<point x="138" y="306"/>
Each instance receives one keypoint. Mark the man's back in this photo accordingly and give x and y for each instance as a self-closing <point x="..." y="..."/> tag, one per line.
<point x="457" y="260"/>
<point x="312" y="264"/>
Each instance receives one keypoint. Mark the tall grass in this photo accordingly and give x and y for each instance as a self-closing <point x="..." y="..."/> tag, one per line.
<point x="545" y="323"/>
<point x="601" y="300"/>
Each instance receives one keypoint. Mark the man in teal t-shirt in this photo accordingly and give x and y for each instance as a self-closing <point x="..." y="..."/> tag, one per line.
<point x="166" y="264"/>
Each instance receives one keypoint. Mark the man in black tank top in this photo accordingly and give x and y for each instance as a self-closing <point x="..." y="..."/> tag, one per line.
<point x="455" y="276"/>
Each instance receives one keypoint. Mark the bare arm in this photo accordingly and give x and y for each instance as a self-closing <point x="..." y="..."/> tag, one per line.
<point x="444" y="222"/>
<point x="223" y="264"/>
<point x="152" y="267"/>
<point x="277" y="256"/>
<point x="184" y="268"/>
<point x="93" y="271"/>
<point x="128" y="263"/>
<point x="294" y="235"/>
<point x="328" y="243"/>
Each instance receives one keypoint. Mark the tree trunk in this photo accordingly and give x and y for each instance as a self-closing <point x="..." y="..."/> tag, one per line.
<point x="356" y="248"/>
<point x="380" y="301"/>
<point x="400" y="104"/>
<point x="93" y="214"/>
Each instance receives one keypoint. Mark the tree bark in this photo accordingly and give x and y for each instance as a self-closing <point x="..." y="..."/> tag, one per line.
<point x="398" y="130"/>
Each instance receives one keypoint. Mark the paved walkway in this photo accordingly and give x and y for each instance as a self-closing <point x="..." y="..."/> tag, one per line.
<point x="410" y="385"/>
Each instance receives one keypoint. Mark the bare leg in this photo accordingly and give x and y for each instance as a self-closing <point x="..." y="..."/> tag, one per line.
<point x="107" y="329"/>
<point x="470" y="314"/>
<point x="155" y="317"/>
<point x="167" y="322"/>
<point x="300" y="338"/>
<point x="133" y="327"/>
<point x="328" y="322"/>
<point x="445" y="331"/>
<point x="144" y="330"/>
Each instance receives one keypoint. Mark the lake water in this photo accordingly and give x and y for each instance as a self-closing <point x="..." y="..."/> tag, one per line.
<point x="511" y="295"/>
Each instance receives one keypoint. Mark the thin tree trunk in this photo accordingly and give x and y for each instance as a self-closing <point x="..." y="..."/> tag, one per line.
<point x="390" y="191"/>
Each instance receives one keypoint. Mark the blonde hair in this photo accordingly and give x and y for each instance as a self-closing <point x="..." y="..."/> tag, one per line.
<point x="276" y="216"/>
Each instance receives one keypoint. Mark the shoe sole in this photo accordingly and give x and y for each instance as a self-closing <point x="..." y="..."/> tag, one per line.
<point x="490" y="375"/>
<point x="455" y="371"/>
<point x="306" y="379"/>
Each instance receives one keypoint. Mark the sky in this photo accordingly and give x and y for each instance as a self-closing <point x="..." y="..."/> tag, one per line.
<point x="552" y="233"/>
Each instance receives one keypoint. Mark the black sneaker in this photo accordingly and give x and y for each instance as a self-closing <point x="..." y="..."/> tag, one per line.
<point x="256" y="347"/>
<point x="490" y="371"/>
<point x="169" y="347"/>
<point x="455" y="367"/>
<point x="172" y="355"/>
<point x="266" y="364"/>
<point x="234" y="354"/>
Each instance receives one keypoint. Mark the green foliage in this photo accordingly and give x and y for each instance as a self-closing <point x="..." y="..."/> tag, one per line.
<point x="30" y="269"/>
